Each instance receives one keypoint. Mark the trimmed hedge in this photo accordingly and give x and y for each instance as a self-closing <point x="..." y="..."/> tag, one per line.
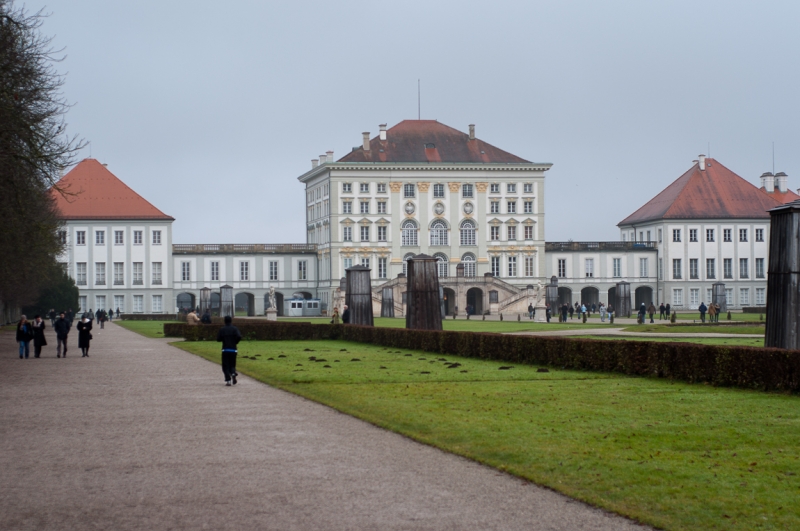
<point x="151" y="317"/>
<point x="746" y="367"/>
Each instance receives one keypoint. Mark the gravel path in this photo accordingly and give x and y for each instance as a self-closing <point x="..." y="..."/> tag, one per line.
<point x="142" y="435"/>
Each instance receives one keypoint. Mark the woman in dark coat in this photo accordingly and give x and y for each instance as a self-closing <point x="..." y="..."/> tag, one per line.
<point x="84" y="336"/>
<point x="38" y="336"/>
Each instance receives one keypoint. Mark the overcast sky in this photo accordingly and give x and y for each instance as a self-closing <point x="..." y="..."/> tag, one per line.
<point x="211" y="110"/>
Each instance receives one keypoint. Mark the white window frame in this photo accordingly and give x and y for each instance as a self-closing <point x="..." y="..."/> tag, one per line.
<point x="80" y="237"/>
<point x="382" y="233"/>
<point x="438" y="191"/>
<point x="438" y="235"/>
<point x="244" y="271"/>
<point x="156" y="237"/>
<point x="616" y="267"/>
<point x="156" y="273"/>
<point x="467" y="191"/>
<point x="347" y="234"/>
<point x="215" y="271"/>
<point x="119" y="237"/>
<point x="409" y="190"/>
<point x="588" y="267"/>
<point x="677" y="297"/>
<point x="363" y="233"/>
<point x="381" y="267"/>
<point x="302" y="270"/>
<point x="562" y="268"/>
<point x="138" y="304"/>
<point x="512" y="266"/>
<point x="186" y="271"/>
<point x="99" y="273"/>
<point x="99" y="237"/>
<point x="643" y="263"/>
<point x="527" y="188"/>
<point x="273" y="270"/>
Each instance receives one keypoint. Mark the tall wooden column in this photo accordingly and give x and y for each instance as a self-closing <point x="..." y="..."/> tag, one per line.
<point x="424" y="307"/>
<point x="718" y="296"/>
<point x="359" y="295"/>
<point x="387" y="302"/>
<point x="783" y="278"/>
<point x="622" y="304"/>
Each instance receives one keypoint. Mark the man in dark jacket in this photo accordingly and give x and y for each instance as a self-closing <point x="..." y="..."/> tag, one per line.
<point x="530" y="311"/>
<point x="346" y="315"/>
<point x="38" y="336"/>
<point x="662" y="309"/>
<point x="61" y="328"/>
<point x="229" y="336"/>
<point x="703" y="309"/>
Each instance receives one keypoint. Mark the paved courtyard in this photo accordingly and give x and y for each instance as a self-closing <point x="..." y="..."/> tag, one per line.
<point x="142" y="435"/>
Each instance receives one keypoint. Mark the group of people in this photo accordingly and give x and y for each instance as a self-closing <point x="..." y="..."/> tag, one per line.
<point x="33" y="331"/>
<point x="713" y="310"/>
<point x="344" y="318"/>
<point x="580" y="309"/>
<point x="192" y="318"/>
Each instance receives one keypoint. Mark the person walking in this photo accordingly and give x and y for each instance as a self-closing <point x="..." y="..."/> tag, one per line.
<point x="335" y="319"/>
<point x="61" y="328"/>
<point x="667" y="310"/>
<point x="24" y="336"/>
<point x="610" y="310"/>
<point x="70" y="316"/>
<point x="229" y="336"/>
<point x="642" y="313"/>
<point x="38" y="336"/>
<point x="571" y="311"/>
<point x="530" y="311"/>
<point x="712" y="312"/>
<point x="547" y="312"/>
<point x="651" y="310"/>
<point x="111" y="316"/>
<point x="717" y="310"/>
<point x="346" y="315"/>
<point x="662" y="309"/>
<point x="703" y="309"/>
<point x="102" y="319"/>
<point x="99" y="315"/>
<point x="84" y="335"/>
<point x="602" y="313"/>
<point x="564" y="311"/>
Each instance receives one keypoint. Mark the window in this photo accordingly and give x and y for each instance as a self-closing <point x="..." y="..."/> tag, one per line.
<point x="158" y="306"/>
<point x="676" y="268"/>
<point x="381" y="188"/>
<point x="528" y="207"/>
<point x="347" y="188"/>
<point x="438" y="190"/>
<point x="347" y="234"/>
<point x="99" y="237"/>
<point x="494" y="188"/>
<point x="408" y="190"/>
<point x="364" y="188"/>
<point x="761" y="296"/>
<point x="643" y="267"/>
<point x="727" y="268"/>
<point x="82" y="302"/>
<point x="364" y="207"/>
<point x="439" y="233"/>
<point x="694" y="297"/>
<point x="381" y="267"/>
<point x="118" y="237"/>
<point x="709" y="235"/>
<point x="744" y="270"/>
<point x="156" y="237"/>
<point x="512" y="233"/>
<point x="641" y="236"/>
<point x="562" y="268"/>
<point x="528" y="232"/>
<point x="468" y="232"/>
<point x="693" y="273"/>
<point x="496" y="266"/>
<point x="676" y="235"/>
<point x="494" y="233"/>
<point x="512" y="266"/>
<point x="273" y="270"/>
<point x="589" y="267"/>
<point x="511" y="188"/>
<point x="365" y="234"/>
<point x="137" y="237"/>
<point x="494" y="207"/>
<point x="244" y="271"/>
<point x="512" y="207"/>
<point x="677" y="297"/>
<point x="648" y="236"/>
<point x="659" y="236"/>
<point x="529" y="268"/>
<point x="617" y="266"/>
<point x="138" y="304"/>
<point x="726" y="235"/>
<point x="406" y="258"/>
<point x="80" y="237"/>
<point x="711" y="268"/>
<point x="469" y="265"/>
<point x="62" y="237"/>
<point x="138" y="273"/>
<point x="365" y="262"/>
<point x="381" y="233"/>
<point x="759" y="268"/>
<point x="742" y="235"/>
<point x="347" y="207"/>
<point x="744" y="296"/>
<point x="660" y="269"/>
<point x="119" y="273"/>
<point x="759" y="235"/>
<point x="442" y="265"/>
<point x="408" y="234"/>
<point x="494" y="296"/>
<point x="186" y="271"/>
<point x="466" y="190"/>
<point x="381" y="207"/>
<point x="80" y="273"/>
<point x="692" y="235"/>
<point x="99" y="273"/>
<point x="709" y="295"/>
<point x="348" y="263"/>
<point x="527" y="188"/>
<point x="302" y="270"/>
<point x="119" y="302"/>
<point x="729" y="296"/>
<point x="100" y="302"/>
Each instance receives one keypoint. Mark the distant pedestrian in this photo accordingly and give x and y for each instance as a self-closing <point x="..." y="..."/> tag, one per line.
<point x="39" y="340"/>
<point x="52" y="315"/>
<point x="594" y="307"/>
<point x="84" y="335"/>
<point x="530" y="311"/>
<point x="24" y="336"/>
<point x="712" y="313"/>
<point x="717" y="310"/>
<point x="70" y="316"/>
<point x="548" y="312"/>
<point x="346" y="315"/>
<point x="229" y="336"/>
<point x="192" y="318"/>
<point x="642" y="313"/>
<point x="571" y="311"/>
<point x="564" y="311"/>
<point x="206" y="319"/>
<point x="667" y="310"/>
<point x="610" y="310"/>
<point x="335" y="319"/>
<point x="703" y="309"/>
<point x="61" y="328"/>
<point x="111" y="316"/>
<point x="117" y="312"/>
<point x="651" y="310"/>
<point x="602" y="313"/>
<point x="662" y="311"/>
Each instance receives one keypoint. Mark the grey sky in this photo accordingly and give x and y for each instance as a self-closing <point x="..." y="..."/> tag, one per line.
<point x="211" y="110"/>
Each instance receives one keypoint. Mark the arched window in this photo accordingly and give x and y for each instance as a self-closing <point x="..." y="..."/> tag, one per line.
<point x="442" y="265"/>
<point x="438" y="233"/>
<point x="406" y="258"/>
<point x="469" y="264"/>
<point x="468" y="232"/>
<point x="408" y="231"/>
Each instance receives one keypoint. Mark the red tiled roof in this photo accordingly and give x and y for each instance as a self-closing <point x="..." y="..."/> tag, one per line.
<point x="784" y="197"/>
<point x="713" y="193"/>
<point x="429" y="141"/>
<point x="90" y="191"/>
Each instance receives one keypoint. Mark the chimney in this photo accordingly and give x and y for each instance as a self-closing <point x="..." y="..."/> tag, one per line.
<point x="768" y="181"/>
<point x="702" y="161"/>
<point x="365" y="143"/>
<point x="781" y="182"/>
<point x="329" y="156"/>
<point x="472" y="131"/>
<point x="383" y="131"/>
<point x="314" y="163"/>
<point x="322" y="159"/>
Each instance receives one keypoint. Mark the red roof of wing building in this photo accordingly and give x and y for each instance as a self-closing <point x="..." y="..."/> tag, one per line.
<point x="713" y="193"/>
<point x="784" y="197"/>
<point x="429" y="141"/>
<point x="90" y="191"/>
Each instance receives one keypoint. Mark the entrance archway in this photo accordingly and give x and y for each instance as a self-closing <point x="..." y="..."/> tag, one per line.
<point x="474" y="301"/>
<point x="643" y="294"/>
<point x="590" y="296"/>
<point x="612" y="296"/>
<point x="301" y="295"/>
<point x="216" y="300"/>
<point x="244" y="304"/>
<point x="186" y="301"/>
<point x="564" y="296"/>
<point x="449" y="301"/>
<point x="279" y="302"/>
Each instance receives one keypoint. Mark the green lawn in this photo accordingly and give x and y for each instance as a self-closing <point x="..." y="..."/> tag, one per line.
<point x="672" y="455"/>
<point x="731" y="341"/>
<point x="473" y="325"/>
<point x="735" y="316"/>
<point x="700" y="328"/>
<point x="145" y="328"/>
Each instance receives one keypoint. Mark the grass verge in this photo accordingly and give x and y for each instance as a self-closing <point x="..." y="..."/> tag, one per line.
<point x="152" y="329"/>
<point x="672" y="455"/>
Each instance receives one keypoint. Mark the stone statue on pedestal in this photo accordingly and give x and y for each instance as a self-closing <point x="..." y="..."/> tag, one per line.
<point x="272" y="303"/>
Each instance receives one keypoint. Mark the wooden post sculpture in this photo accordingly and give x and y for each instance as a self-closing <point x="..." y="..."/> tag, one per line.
<point x="718" y="296"/>
<point x="783" y="278"/>
<point x="359" y="295"/>
<point x="387" y="302"/>
<point x="226" y="301"/>
<point x="552" y="295"/>
<point x="424" y="307"/>
<point x="622" y="304"/>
